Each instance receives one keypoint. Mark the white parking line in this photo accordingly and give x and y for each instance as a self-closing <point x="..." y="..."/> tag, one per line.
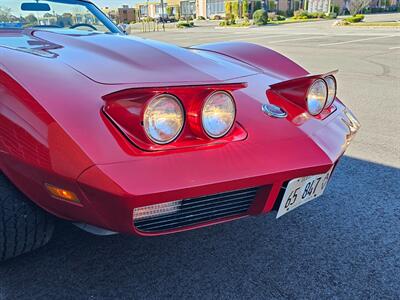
<point x="260" y="37"/>
<point x="299" y="39"/>
<point x="359" y="40"/>
<point x="394" y="48"/>
<point x="229" y="37"/>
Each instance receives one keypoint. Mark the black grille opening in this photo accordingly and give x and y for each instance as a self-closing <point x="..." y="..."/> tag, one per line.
<point x="203" y="209"/>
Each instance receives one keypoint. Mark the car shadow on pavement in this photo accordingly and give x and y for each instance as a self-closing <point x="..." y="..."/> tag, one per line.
<point x="345" y="244"/>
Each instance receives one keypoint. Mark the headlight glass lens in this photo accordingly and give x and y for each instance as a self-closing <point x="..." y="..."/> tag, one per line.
<point x="218" y="114"/>
<point x="316" y="98"/>
<point x="163" y="119"/>
<point x="331" y="83"/>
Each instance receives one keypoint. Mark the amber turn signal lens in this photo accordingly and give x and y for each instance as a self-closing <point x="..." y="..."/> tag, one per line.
<point x="62" y="194"/>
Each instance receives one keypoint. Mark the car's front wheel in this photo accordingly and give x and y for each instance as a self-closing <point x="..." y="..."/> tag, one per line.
<point x="23" y="226"/>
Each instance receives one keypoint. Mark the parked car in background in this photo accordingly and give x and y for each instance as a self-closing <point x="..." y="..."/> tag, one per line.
<point x="165" y="18"/>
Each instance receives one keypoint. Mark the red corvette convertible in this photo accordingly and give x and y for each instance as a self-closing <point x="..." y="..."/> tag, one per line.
<point x="129" y="135"/>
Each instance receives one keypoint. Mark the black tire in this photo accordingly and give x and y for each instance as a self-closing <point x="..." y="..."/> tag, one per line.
<point x="23" y="226"/>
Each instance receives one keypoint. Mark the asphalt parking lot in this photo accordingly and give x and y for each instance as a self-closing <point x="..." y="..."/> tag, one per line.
<point x="345" y="245"/>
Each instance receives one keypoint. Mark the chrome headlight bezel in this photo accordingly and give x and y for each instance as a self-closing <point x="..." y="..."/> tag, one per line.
<point x="332" y="90"/>
<point x="232" y="120"/>
<point x="322" y="100"/>
<point x="146" y="118"/>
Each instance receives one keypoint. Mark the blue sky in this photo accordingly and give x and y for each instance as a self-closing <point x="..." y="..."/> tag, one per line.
<point x="115" y="3"/>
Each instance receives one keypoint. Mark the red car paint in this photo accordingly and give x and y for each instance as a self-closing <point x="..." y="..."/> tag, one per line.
<point x="54" y="129"/>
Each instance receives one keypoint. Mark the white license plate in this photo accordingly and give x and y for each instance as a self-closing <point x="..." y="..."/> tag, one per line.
<point x="301" y="190"/>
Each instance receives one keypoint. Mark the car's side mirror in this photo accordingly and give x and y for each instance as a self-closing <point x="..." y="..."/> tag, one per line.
<point x="122" y="27"/>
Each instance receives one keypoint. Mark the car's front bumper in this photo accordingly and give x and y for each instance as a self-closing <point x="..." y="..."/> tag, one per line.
<point x="113" y="191"/>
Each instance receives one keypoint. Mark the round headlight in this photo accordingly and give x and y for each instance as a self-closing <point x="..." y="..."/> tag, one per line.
<point x="316" y="98"/>
<point x="331" y="83"/>
<point x="218" y="114"/>
<point x="163" y="119"/>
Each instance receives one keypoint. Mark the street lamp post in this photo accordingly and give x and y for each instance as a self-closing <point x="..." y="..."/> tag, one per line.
<point x="162" y="14"/>
<point x="147" y="16"/>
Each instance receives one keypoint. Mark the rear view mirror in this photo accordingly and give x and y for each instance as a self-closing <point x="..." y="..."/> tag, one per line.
<point x="35" y="7"/>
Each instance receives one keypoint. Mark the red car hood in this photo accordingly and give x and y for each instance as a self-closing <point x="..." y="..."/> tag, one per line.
<point x="111" y="59"/>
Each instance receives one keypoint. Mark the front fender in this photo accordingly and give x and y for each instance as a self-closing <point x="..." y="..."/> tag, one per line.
<point x="267" y="60"/>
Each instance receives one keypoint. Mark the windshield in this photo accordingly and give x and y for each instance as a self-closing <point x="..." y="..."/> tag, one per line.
<point x="54" y="14"/>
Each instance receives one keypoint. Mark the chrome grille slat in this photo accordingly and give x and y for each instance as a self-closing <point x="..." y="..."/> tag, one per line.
<point x="189" y="210"/>
<point x="178" y="217"/>
<point x="218" y="196"/>
<point x="200" y="218"/>
<point x="203" y="209"/>
<point x="220" y="203"/>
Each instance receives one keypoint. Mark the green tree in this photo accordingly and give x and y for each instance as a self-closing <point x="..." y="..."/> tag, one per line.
<point x="271" y="5"/>
<point x="31" y="19"/>
<point x="235" y="8"/>
<point x="245" y="9"/>
<point x="4" y="14"/>
<point x="228" y="9"/>
<point x="357" y="6"/>
<point x="67" y="19"/>
<point x="257" y="5"/>
<point x="169" y="10"/>
<point x="177" y="12"/>
<point x="260" y="17"/>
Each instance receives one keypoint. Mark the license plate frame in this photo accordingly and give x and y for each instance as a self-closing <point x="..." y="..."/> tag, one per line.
<point x="301" y="190"/>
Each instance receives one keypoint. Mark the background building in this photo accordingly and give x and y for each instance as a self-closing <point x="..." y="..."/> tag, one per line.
<point x="188" y="8"/>
<point x="124" y="14"/>
<point x="217" y="8"/>
<point x="148" y="9"/>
